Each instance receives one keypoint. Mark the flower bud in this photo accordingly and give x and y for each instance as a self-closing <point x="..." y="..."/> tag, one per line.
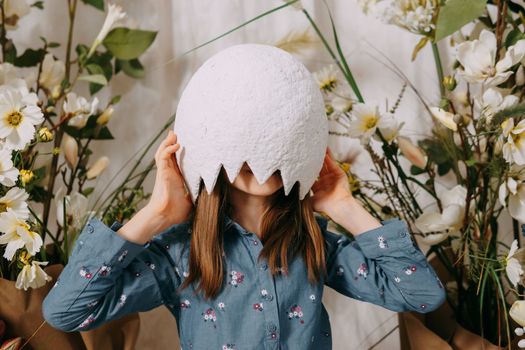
<point x="44" y="135"/>
<point x="55" y="92"/>
<point x="105" y="116"/>
<point x="26" y="176"/>
<point x="412" y="152"/>
<point x="520" y="76"/>
<point x="449" y="82"/>
<point x="70" y="150"/>
<point x="98" y="167"/>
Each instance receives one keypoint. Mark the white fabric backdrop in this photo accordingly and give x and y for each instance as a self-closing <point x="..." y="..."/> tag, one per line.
<point x="182" y="25"/>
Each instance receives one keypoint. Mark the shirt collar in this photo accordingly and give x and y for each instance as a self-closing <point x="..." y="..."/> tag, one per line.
<point x="230" y="222"/>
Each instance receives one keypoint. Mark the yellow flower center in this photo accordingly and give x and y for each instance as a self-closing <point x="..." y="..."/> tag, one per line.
<point x="328" y="84"/>
<point x="3" y="207"/>
<point x="25" y="258"/>
<point x="328" y="109"/>
<point x="370" y="121"/>
<point x="14" y="118"/>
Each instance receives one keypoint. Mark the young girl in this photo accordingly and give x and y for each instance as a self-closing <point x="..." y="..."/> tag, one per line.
<point x="235" y="251"/>
<point x="117" y="270"/>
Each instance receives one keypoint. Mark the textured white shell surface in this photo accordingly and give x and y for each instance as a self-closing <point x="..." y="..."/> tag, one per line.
<point x="254" y="103"/>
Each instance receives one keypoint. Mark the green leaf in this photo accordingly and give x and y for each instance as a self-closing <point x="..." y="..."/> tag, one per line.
<point x="99" y="4"/>
<point x="132" y="68"/>
<point x="38" y="4"/>
<point x="53" y="44"/>
<point x="10" y="52"/>
<point x="127" y="44"/>
<point x="115" y="100"/>
<point x="94" y="78"/>
<point x="455" y="14"/>
<point x="30" y="58"/>
<point x="513" y="37"/>
<point x="471" y="162"/>
<point x="95" y="69"/>
<point x="82" y="51"/>
<point x="86" y="192"/>
<point x="103" y="60"/>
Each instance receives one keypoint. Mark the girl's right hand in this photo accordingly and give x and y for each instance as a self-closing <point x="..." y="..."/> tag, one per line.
<point x="169" y="198"/>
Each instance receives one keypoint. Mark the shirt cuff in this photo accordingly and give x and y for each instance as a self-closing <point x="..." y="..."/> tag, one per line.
<point x="393" y="236"/>
<point x="111" y="247"/>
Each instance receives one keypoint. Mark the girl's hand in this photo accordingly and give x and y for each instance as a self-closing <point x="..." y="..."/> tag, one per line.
<point x="169" y="198"/>
<point x="331" y="188"/>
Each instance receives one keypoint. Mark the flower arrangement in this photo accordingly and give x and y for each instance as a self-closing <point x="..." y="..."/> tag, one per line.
<point x="477" y="139"/>
<point x="47" y="130"/>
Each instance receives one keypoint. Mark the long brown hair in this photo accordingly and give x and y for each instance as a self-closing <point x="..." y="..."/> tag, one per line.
<point x="288" y="228"/>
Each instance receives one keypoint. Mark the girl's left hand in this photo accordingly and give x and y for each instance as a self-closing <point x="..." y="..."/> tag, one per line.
<point x="331" y="187"/>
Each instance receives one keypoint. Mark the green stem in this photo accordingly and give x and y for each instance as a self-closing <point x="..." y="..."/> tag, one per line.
<point x="241" y="25"/>
<point x="137" y="163"/>
<point x="345" y="70"/>
<point x="439" y="68"/>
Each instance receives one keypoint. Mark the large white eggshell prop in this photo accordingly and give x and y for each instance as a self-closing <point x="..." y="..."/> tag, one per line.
<point x="254" y="103"/>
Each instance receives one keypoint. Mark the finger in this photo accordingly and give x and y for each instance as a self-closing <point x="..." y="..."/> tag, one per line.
<point x="166" y="154"/>
<point x="171" y="138"/>
<point x="175" y="164"/>
<point x="332" y="165"/>
<point x="326" y="168"/>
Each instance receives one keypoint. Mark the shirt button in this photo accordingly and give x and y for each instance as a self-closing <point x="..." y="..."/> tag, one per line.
<point x="263" y="266"/>
<point x="271" y="327"/>
<point x="402" y="234"/>
<point x="90" y="228"/>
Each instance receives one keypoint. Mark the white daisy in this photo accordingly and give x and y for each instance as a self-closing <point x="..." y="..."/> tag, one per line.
<point x="19" y="114"/>
<point x="15" y="199"/>
<point x="366" y="120"/>
<point x="17" y="234"/>
<point x="8" y="173"/>
<point x="327" y="78"/>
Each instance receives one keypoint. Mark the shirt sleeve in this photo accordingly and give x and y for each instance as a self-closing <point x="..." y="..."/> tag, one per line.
<point x="383" y="266"/>
<point x="108" y="277"/>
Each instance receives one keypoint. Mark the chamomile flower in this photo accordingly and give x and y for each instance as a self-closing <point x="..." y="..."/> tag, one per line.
<point x="8" y="173"/>
<point x="19" y="113"/>
<point x="327" y="78"/>
<point x="17" y="234"/>
<point x="15" y="199"/>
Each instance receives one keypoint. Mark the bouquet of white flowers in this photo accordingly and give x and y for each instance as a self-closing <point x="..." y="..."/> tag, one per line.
<point x="46" y="132"/>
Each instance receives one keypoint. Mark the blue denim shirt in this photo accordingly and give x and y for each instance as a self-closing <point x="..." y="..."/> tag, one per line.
<point x="108" y="276"/>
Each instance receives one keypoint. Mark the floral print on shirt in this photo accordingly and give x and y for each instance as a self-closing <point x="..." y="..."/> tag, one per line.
<point x="295" y="312"/>
<point x="236" y="278"/>
<point x="146" y="276"/>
